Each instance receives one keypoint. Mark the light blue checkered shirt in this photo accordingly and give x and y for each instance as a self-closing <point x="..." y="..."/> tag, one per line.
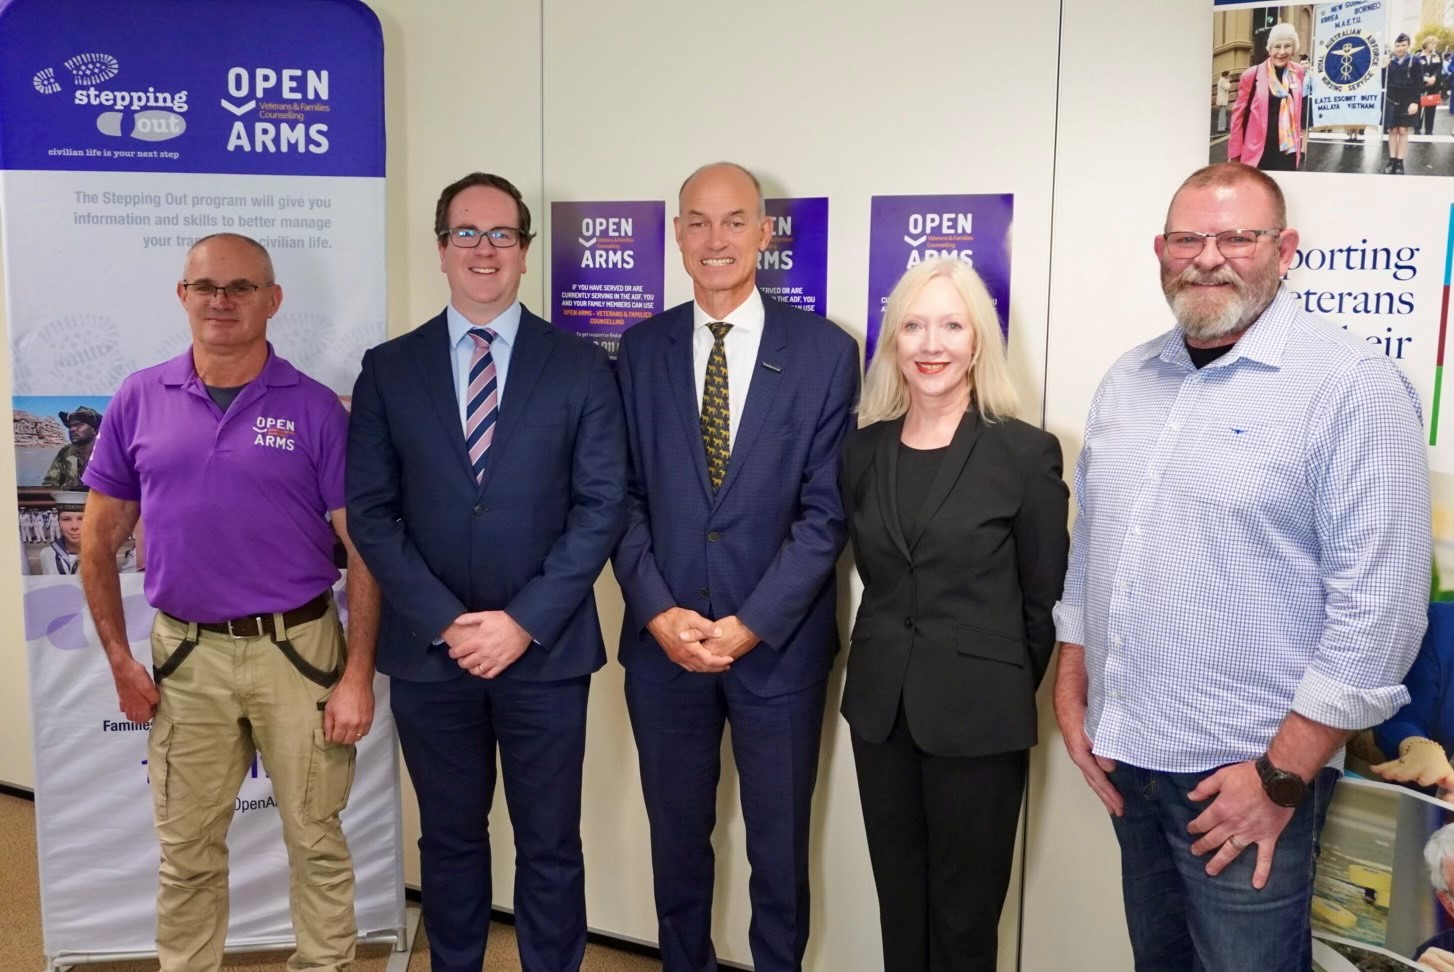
<point x="1253" y="537"/>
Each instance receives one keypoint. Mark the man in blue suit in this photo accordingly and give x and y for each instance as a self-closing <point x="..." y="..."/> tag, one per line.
<point x="735" y="409"/>
<point x="486" y="472"/>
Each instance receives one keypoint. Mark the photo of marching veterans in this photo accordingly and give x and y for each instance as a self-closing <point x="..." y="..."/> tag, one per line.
<point x="1333" y="87"/>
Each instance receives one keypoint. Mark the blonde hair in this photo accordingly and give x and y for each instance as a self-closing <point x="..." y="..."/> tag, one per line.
<point x="886" y="391"/>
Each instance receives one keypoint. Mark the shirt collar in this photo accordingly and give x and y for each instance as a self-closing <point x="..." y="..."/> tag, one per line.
<point x="749" y="315"/>
<point x="1263" y="342"/>
<point x="506" y="326"/>
<point x="181" y="370"/>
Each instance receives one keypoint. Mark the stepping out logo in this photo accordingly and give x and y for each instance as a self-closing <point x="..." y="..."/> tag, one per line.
<point x="96" y="79"/>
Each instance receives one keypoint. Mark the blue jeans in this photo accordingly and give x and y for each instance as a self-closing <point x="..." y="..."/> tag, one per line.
<point x="1181" y="919"/>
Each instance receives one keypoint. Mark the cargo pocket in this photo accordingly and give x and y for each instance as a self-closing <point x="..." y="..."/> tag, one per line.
<point x="158" y="751"/>
<point x="330" y="777"/>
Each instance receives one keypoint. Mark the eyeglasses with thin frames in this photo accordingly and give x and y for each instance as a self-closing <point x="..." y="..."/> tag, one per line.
<point x="237" y="290"/>
<point x="468" y="237"/>
<point x="1231" y="243"/>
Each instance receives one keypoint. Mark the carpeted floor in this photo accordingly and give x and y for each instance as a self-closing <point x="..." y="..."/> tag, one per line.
<point x="20" y="940"/>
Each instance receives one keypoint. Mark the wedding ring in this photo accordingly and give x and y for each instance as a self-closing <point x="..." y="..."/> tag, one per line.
<point x="1237" y="845"/>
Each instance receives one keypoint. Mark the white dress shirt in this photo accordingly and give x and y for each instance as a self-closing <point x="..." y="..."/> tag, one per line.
<point x="462" y="349"/>
<point x="741" y="346"/>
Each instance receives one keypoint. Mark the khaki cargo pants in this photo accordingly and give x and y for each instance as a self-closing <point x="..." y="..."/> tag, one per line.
<point x="226" y="700"/>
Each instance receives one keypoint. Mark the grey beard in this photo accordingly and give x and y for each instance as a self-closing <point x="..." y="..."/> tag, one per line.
<point x="1203" y="323"/>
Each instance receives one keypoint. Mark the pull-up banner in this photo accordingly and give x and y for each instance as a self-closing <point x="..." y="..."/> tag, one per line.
<point x="127" y="132"/>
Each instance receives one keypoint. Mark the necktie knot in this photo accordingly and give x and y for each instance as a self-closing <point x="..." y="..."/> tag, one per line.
<point x="719" y="329"/>
<point x="482" y="336"/>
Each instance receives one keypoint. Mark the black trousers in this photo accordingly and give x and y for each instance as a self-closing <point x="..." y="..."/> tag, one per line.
<point x="941" y="839"/>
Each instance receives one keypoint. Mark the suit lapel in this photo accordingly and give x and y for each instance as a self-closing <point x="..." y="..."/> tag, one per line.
<point x="435" y="360"/>
<point x="886" y="481"/>
<point x="534" y="342"/>
<point x="965" y="437"/>
<point x="682" y="378"/>
<point x="768" y="372"/>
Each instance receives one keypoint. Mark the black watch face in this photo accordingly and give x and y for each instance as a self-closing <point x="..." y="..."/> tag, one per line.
<point x="1286" y="790"/>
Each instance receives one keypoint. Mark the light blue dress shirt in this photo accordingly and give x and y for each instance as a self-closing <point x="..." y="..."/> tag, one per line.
<point x="1252" y="538"/>
<point x="506" y="326"/>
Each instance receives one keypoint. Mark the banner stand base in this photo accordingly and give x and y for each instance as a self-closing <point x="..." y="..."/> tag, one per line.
<point x="400" y="938"/>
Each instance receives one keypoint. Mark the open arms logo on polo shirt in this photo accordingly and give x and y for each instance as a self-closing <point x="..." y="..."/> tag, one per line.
<point x="275" y="433"/>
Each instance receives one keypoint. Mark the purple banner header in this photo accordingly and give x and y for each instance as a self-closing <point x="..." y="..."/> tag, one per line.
<point x="606" y="269"/>
<point x="273" y="87"/>
<point x="906" y="230"/>
<point x="794" y="267"/>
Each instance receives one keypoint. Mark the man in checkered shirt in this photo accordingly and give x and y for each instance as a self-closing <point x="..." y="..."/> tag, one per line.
<point x="1248" y="583"/>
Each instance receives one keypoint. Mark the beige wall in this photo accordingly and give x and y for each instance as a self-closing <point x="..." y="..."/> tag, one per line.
<point x="578" y="100"/>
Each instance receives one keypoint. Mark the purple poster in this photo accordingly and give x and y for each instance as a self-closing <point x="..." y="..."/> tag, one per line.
<point x="905" y="230"/>
<point x="606" y="270"/>
<point x="794" y="267"/>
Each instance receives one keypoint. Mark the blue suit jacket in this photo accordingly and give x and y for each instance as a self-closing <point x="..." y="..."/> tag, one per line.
<point x="530" y="540"/>
<point x="764" y="548"/>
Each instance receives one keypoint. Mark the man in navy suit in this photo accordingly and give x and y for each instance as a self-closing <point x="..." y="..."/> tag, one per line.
<point x="735" y="409"/>
<point x="486" y="488"/>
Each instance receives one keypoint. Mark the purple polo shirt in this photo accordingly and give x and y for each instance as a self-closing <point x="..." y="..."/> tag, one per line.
<point x="233" y="506"/>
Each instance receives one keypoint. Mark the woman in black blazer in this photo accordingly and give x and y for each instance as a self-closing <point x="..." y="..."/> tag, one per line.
<point x="957" y="514"/>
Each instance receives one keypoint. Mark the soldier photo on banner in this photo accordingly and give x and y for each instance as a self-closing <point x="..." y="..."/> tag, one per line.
<point x="54" y="438"/>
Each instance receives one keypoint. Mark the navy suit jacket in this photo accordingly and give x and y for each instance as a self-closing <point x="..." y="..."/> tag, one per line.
<point x="764" y="548"/>
<point x="530" y="540"/>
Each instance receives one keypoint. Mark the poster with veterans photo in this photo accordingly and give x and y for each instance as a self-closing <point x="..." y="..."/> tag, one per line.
<point x="54" y="436"/>
<point x="1356" y="86"/>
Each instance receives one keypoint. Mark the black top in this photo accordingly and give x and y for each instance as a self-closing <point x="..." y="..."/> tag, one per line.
<point x="1201" y="357"/>
<point x="917" y="468"/>
<point x="1273" y="157"/>
<point x="224" y="397"/>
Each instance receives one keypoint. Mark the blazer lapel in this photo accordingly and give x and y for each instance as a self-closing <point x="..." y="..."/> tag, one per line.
<point x="886" y="481"/>
<point x="682" y="378"/>
<point x="965" y="436"/>
<point x="773" y="364"/>
<point x="435" y="360"/>
<point x="534" y="342"/>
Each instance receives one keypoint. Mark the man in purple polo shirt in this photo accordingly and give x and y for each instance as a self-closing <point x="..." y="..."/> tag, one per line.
<point x="236" y="459"/>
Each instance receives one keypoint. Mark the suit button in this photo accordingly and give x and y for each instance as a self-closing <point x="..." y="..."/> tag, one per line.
<point x="479" y="510"/>
<point x="714" y="536"/>
<point x="704" y="592"/>
<point x="909" y="621"/>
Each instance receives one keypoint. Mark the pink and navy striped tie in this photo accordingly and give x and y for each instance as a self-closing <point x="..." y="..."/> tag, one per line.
<point x="484" y="400"/>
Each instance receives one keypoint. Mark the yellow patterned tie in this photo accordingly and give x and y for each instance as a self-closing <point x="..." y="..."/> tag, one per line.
<point x="716" y="410"/>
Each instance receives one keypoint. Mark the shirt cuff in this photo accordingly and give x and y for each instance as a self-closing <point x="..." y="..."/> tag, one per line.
<point x="1069" y="624"/>
<point x="1340" y="706"/>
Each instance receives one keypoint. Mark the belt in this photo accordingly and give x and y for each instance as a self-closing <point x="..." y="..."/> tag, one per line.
<point x="254" y="625"/>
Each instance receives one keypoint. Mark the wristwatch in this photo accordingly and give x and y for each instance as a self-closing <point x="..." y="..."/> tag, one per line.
<point x="1283" y="788"/>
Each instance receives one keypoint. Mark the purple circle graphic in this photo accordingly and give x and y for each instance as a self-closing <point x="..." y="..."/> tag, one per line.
<point x="45" y="606"/>
<point x="67" y="633"/>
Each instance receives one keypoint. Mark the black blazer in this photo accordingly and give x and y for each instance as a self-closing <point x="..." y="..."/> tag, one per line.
<point x="955" y="620"/>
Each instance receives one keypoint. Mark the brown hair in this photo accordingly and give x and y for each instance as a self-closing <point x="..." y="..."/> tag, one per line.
<point x="441" y="209"/>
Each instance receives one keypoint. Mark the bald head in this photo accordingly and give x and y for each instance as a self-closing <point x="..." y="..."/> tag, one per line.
<point x="729" y="171"/>
<point x="227" y="241"/>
